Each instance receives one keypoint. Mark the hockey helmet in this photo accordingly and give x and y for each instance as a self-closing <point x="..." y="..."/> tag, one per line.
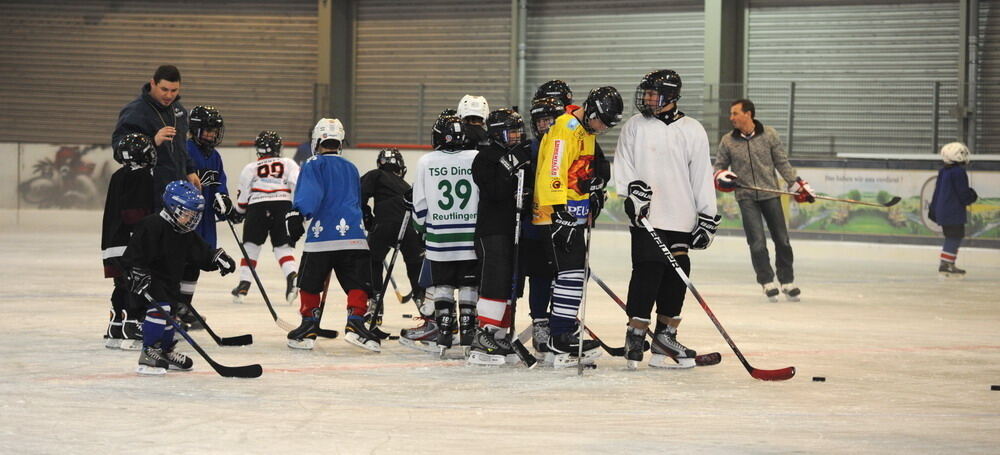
<point x="666" y="83"/>
<point x="505" y="127"/>
<point x="448" y="133"/>
<point x="136" y="151"/>
<point x="392" y="161"/>
<point x="206" y="118"/>
<point x="955" y="153"/>
<point x="328" y="129"/>
<point x="604" y="104"/>
<point x="268" y="144"/>
<point x="473" y="106"/>
<point x="448" y="113"/>
<point x="183" y="206"/>
<point x="556" y="89"/>
<point x="543" y="114"/>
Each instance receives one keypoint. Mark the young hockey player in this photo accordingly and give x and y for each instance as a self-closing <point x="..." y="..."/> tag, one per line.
<point x="206" y="129"/>
<point x="473" y="111"/>
<point x="160" y="248"/>
<point x="663" y="161"/>
<point x="555" y="89"/>
<point x="951" y="195"/>
<point x="495" y="171"/>
<point x="328" y="193"/>
<point x="264" y="197"/>
<point x="130" y="199"/>
<point x="444" y="206"/>
<point x="564" y="180"/>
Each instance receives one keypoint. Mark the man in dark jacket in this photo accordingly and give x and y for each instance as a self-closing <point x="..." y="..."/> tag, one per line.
<point x="158" y="113"/>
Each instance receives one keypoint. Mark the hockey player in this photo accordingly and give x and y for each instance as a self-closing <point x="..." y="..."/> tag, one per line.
<point x="264" y="197"/>
<point x="473" y="111"/>
<point x="328" y="194"/>
<point x="663" y="161"/>
<point x="555" y="89"/>
<point x="495" y="171"/>
<point x="444" y="206"/>
<point x="564" y="181"/>
<point x="951" y="195"/>
<point x="205" y="129"/>
<point x="160" y="248"/>
<point x="130" y="199"/>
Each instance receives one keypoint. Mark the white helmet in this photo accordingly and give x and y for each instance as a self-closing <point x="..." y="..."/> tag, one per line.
<point x="955" y="153"/>
<point x="473" y="105"/>
<point x="325" y="129"/>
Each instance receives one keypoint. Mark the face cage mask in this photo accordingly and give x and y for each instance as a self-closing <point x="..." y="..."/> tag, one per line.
<point x="179" y="213"/>
<point x="220" y="131"/>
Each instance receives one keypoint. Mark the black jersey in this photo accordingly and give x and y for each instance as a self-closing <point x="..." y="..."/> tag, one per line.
<point x="495" y="215"/>
<point x="157" y="247"/>
<point x="387" y="189"/>
<point x="130" y="199"/>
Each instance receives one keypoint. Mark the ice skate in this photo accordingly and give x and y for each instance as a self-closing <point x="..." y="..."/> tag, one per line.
<point x="565" y="349"/>
<point x="540" y="335"/>
<point x="446" y="330"/>
<point x="114" y="334"/>
<point x="152" y="362"/>
<point x="358" y="334"/>
<point x="486" y="349"/>
<point x="791" y="291"/>
<point x="240" y="291"/>
<point x="665" y="346"/>
<point x="132" y="332"/>
<point x="948" y="270"/>
<point x="635" y="340"/>
<point x="304" y="336"/>
<point x="176" y="360"/>
<point x="291" y="288"/>
<point x="466" y="326"/>
<point x="187" y="318"/>
<point x="770" y="291"/>
<point x="423" y="337"/>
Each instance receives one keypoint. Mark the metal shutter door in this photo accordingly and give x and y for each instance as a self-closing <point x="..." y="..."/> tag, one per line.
<point x="988" y="111"/>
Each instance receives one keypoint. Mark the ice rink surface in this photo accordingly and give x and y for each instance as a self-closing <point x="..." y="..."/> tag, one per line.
<point x="908" y="360"/>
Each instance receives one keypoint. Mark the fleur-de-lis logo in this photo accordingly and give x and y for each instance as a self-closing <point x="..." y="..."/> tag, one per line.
<point x="342" y="228"/>
<point x="317" y="229"/>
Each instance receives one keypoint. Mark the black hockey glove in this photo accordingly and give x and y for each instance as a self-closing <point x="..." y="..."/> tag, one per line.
<point x="637" y="202"/>
<point x="237" y="217"/>
<point x="225" y="263"/>
<point x="512" y="163"/>
<point x="704" y="232"/>
<point x="564" y="229"/>
<point x="293" y="225"/>
<point x="208" y="177"/>
<point x="223" y="205"/>
<point x="592" y="185"/>
<point x="408" y="199"/>
<point x="139" y="280"/>
<point x="597" y="200"/>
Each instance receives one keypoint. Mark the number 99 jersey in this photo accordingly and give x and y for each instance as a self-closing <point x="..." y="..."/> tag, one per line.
<point x="267" y="179"/>
<point x="445" y="201"/>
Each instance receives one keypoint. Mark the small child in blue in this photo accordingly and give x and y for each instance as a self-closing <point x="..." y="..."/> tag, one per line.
<point x="951" y="195"/>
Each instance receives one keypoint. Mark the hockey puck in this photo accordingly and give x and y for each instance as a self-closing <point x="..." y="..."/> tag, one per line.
<point x="995" y="387"/>
<point x="407" y="316"/>
<point x="590" y="366"/>
<point x="393" y="337"/>
<point x="819" y="379"/>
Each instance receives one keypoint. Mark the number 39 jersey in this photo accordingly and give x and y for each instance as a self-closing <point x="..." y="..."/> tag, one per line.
<point x="267" y="179"/>
<point x="445" y="201"/>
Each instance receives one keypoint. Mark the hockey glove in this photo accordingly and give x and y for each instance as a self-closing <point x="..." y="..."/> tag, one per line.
<point x="637" y="202"/>
<point x="208" y="177"/>
<point x="408" y="199"/>
<point x="139" y="280"/>
<point x="564" y="229"/>
<point x="725" y="180"/>
<point x="237" y="217"/>
<point x="367" y="218"/>
<point x="512" y="163"/>
<point x="223" y="205"/>
<point x="597" y="200"/>
<point x="592" y="185"/>
<point x="805" y="192"/>
<point x="225" y="263"/>
<point x="293" y="225"/>
<point x="704" y="232"/>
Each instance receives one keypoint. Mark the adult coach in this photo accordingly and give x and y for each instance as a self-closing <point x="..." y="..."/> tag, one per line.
<point x="158" y="113"/>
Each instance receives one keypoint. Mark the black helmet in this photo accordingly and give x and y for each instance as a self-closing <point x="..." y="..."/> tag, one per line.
<point x="392" y="161"/>
<point x="546" y="107"/>
<point x="604" y="104"/>
<point x="268" y="144"/>
<point x="206" y="118"/>
<point x="505" y="127"/>
<point x="448" y="113"/>
<point x="665" y="82"/>
<point x="136" y="150"/>
<point x="448" y="133"/>
<point x="556" y="89"/>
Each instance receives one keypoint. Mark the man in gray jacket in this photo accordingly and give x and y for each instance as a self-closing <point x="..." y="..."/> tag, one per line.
<point x="749" y="156"/>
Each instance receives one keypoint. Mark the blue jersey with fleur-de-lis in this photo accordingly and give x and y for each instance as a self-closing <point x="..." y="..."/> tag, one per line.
<point x="328" y="194"/>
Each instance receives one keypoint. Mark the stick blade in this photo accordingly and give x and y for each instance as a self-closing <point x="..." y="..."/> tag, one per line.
<point x="246" y="371"/>
<point x="704" y="360"/>
<point x="895" y="200"/>
<point x="522" y="352"/>
<point x="783" y="374"/>
<point x="241" y="340"/>
<point x="405" y="298"/>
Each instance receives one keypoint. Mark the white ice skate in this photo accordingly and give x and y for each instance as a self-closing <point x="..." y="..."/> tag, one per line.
<point x="668" y="353"/>
<point x="770" y="291"/>
<point x="791" y="291"/>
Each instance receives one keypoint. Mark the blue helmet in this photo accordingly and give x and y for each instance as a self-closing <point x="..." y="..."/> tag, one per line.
<point x="183" y="206"/>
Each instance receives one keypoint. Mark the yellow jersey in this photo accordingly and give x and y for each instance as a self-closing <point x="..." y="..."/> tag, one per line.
<point x="564" y="159"/>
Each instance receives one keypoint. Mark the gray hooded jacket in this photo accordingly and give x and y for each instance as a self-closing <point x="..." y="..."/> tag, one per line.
<point x="754" y="160"/>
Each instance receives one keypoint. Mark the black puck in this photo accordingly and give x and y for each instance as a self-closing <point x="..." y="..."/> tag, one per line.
<point x="407" y="316"/>
<point x="590" y="366"/>
<point x="995" y="387"/>
<point x="819" y="379"/>
<point x="393" y="337"/>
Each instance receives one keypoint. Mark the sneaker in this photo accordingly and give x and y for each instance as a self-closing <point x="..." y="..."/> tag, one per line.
<point x="665" y="345"/>
<point x="635" y="345"/>
<point x="540" y="335"/>
<point x="791" y="291"/>
<point x="240" y="291"/>
<point x="948" y="269"/>
<point x="770" y="291"/>
<point x="132" y="331"/>
<point x="466" y="326"/>
<point x="423" y="337"/>
<point x="565" y="349"/>
<point x="291" y="289"/>
<point x="486" y="349"/>
<point x="357" y="333"/>
<point x="113" y="334"/>
<point x="304" y="336"/>
<point x="152" y="361"/>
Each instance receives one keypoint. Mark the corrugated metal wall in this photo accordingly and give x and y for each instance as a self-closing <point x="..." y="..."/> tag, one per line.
<point x="988" y="109"/>
<point x="864" y="72"/>
<point x="591" y="43"/>
<point x="416" y="58"/>
<point x="67" y="68"/>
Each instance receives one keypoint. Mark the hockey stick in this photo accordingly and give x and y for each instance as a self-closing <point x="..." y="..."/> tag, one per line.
<point x="764" y="375"/>
<point x="246" y="371"/>
<point x="583" y="298"/>
<point x="241" y="340"/>
<point x="376" y="315"/>
<point x="522" y="352"/>
<point x="702" y="360"/>
<point x="895" y="199"/>
<point x="395" y="287"/>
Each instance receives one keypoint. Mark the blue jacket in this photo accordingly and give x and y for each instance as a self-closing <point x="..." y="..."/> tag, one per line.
<point x="951" y="195"/>
<point x="203" y="162"/>
<point x="328" y="194"/>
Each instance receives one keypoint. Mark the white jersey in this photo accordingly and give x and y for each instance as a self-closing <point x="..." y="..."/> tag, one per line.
<point x="445" y="201"/>
<point x="674" y="161"/>
<point x="267" y="179"/>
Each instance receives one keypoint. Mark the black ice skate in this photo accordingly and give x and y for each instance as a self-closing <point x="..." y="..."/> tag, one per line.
<point x="948" y="270"/>
<point x="186" y="316"/>
<point x="635" y="341"/>
<point x="423" y="337"/>
<point x="240" y="291"/>
<point x="291" y="289"/>
<point x="486" y="349"/>
<point x="446" y="329"/>
<point x="356" y="332"/>
<point x="114" y="334"/>
<point x="540" y="335"/>
<point x="152" y="361"/>
<point x="791" y="291"/>
<point x="565" y="348"/>
<point x="665" y="345"/>
<point x="770" y="291"/>
<point x="132" y="331"/>
<point x="466" y="326"/>
<point x="176" y="360"/>
<point x="304" y="336"/>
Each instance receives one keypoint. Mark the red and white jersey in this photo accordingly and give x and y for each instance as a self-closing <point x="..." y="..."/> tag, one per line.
<point x="267" y="179"/>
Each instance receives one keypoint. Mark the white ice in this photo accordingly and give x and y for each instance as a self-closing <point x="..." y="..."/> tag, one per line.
<point x="908" y="360"/>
